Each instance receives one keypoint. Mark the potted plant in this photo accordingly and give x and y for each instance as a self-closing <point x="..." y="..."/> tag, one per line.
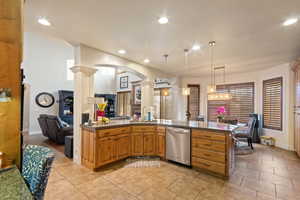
<point x="221" y="113"/>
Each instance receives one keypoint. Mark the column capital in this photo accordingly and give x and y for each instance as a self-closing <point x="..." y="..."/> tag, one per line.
<point x="84" y="69"/>
<point x="147" y="83"/>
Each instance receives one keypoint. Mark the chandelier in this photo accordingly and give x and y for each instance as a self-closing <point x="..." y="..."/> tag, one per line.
<point x="212" y="94"/>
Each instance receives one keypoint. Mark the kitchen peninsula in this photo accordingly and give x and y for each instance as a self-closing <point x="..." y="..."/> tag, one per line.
<point x="211" y="143"/>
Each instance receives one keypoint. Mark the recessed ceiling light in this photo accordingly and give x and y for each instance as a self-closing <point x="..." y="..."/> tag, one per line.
<point x="146" y="60"/>
<point x="290" y="21"/>
<point x="163" y="20"/>
<point x="196" y="47"/>
<point x="121" y="51"/>
<point x="44" y="21"/>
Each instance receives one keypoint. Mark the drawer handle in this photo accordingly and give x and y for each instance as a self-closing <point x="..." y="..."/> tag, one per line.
<point x="207" y="136"/>
<point x="205" y="154"/>
<point x="208" y="145"/>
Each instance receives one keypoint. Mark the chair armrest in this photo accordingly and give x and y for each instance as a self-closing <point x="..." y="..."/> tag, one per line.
<point x="241" y="130"/>
<point x="67" y="130"/>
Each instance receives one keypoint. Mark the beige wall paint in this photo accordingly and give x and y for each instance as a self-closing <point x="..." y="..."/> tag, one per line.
<point x="284" y="138"/>
<point x="88" y="56"/>
<point x="91" y="57"/>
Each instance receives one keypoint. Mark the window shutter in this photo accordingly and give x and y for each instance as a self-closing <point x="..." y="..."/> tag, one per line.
<point x="194" y="101"/>
<point x="272" y="103"/>
<point x="239" y="107"/>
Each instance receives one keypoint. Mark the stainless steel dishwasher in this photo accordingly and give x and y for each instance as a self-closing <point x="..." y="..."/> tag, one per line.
<point x="178" y="145"/>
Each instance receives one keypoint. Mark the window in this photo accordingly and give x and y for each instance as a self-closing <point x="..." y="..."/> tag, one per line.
<point x="162" y="103"/>
<point x="123" y="104"/>
<point x="193" y="101"/>
<point x="239" y="107"/>
<point x="70" y="75"/>
<point x="272" y="103"/>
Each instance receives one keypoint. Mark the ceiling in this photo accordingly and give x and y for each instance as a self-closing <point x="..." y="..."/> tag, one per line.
<point x="249" y="34"/>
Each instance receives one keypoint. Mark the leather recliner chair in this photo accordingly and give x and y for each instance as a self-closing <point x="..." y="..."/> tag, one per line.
<point x="53" y="129"/>
<point x="43" y="124"/>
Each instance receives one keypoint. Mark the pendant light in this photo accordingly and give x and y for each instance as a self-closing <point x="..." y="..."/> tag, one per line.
<point x="221" y="96"/>
<point x="212" y="87"/>
<point x="166" y="58"/>
<point x="186" y="61"/>
<point x="212" y="94"/>
<point x="186" y="91"/>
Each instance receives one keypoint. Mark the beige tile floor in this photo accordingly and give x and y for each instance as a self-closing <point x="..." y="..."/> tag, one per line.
<point x="268" y="173"/>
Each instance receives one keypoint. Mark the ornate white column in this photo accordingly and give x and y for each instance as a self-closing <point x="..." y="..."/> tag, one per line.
<point x="147" y="95"/>
<point x="83" y="88"/>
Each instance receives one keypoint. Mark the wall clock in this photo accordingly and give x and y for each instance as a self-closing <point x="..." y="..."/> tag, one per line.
<point x="44" y="99"/>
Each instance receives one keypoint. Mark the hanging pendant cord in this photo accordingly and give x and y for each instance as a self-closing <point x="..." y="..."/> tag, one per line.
<point x="211" y="65"/>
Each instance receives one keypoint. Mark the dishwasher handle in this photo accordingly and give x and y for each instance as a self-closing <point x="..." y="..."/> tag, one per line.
<point x="178" y="130"/>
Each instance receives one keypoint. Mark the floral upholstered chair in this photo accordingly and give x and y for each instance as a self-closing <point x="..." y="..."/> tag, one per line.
<point x="37" y="161"/>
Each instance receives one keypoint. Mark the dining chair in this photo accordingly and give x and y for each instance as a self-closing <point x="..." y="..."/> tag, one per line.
<point x="246" y="132"/>
<point x="37" y="162"/>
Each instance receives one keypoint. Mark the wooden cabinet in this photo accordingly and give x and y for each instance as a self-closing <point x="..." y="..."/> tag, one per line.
<point x="143" y="141"/>
<point x="108" y="145"/>
<point x="123" y="146"/>
<point x="105" y="152"/>
<point x="137" y="144"/>
<point x="11" y="44"/>
<point x="296" y="69"/>
<point x="213" y="151"/>
<point x="161" y="142"/>
<point x="149" y="144"/>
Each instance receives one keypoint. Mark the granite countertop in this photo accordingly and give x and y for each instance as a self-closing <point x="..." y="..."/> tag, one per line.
<point x="170" y="123"/>
<point x="13" y="185"/>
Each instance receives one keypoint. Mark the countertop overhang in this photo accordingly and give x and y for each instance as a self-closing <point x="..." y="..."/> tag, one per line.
<point x="214" y="126"/>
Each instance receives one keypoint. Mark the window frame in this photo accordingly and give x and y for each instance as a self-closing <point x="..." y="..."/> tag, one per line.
<point x="281" y="104"/>
<point x="199" y="100"/>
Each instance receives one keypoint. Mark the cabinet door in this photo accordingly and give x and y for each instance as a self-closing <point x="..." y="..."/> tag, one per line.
<point x="160" y="145"/>
<point x="137" y="144"/>
<point x="149" y="144"/>
<point x="104" y="151"/>
<point x="297" y="133"/>
<point x="123" y="146"/>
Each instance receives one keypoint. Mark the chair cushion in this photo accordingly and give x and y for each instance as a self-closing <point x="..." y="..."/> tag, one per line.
<point x="62" y="123"/>
<point x="37" y="161"/>
<point x="241" y="135"/>
<point x="241" y="132"/>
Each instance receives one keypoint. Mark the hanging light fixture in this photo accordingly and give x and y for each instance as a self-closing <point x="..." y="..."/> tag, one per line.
<point x="212" y="94"/>
<point x="186" y="53"/>
<point x="186" y="91"/>
<point x="212" y="87"/>
<point x="222" y="96"/>
<point x="166" y="58"/>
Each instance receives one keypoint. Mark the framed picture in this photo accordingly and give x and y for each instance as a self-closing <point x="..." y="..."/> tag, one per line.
<point x="123" y="82"/>
<point x="137" y="94"/>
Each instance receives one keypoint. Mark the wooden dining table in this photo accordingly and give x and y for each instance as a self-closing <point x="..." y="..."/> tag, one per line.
<point x="13" y="186"/>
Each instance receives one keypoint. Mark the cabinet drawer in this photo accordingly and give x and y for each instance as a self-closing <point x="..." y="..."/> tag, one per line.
<point x="208" y="155"/>
<point x="113" y="131"/>
<point x="208" y="144"/>
<point x="208" y="165"/>
<point x="143" y="128"/>
<point x="208" y="135"/>
<point x="161" y="129"/>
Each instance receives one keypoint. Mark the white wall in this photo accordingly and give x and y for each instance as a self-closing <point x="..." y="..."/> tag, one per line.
<point x="105" y="80"/>
<point x="45" y="69"/>
<point x="88" y="56"/>
<point x="131" y="78"/>
<point x="284" y="138"/>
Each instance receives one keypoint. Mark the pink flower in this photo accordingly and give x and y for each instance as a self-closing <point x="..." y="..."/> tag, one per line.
<point x="221" y="110"/>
